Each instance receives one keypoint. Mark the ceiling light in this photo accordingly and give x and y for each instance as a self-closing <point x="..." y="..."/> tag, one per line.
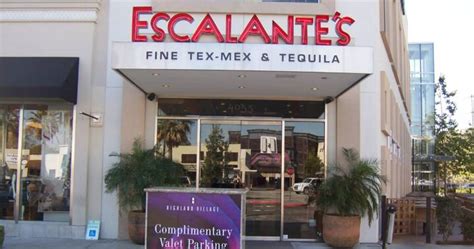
<point x="242" y="76"/>
<point x="241" y="87"/>
<point x="165" y="85"/>
<point x="314" y="88"/>
<point x="155" y="74"/>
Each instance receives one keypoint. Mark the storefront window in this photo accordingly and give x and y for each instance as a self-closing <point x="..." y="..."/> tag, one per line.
<point x="45" y="161"/>
<point x="9" y="121"/>
<point x="305" y="145"/>
<point x="246" y="154"/>
<point x="176" y="139"/>
<point x="223" y="148"/>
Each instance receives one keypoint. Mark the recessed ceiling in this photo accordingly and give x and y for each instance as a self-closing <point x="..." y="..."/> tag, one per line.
<point x="241" y="84"/>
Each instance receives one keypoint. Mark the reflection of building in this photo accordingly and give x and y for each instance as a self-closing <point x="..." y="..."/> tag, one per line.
<point x="423" y="111"/>
<point x="299" y="145"/>
<point x="260" y="149"/>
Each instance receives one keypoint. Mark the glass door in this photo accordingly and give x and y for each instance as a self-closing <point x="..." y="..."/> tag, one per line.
<point x="35" y="161"/>
<point x="246" y="154"/>
<point x="45" y="166"/>
<point x="261" y="142"/>
<point x="304" y="171"/>
<point x="281" y="168"/>
<point x="9" y="124"/>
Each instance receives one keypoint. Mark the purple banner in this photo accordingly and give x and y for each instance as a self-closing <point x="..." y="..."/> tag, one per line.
<point x="185" y="220"/>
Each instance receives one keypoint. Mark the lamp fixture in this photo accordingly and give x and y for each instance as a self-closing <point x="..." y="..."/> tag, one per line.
<point x="89" y="115"/>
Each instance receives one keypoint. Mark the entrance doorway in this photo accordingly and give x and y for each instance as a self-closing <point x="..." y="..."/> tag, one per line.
<point x="35" y="159"/>
<point x="280" y="161"/>
<point x="253" y="161"/>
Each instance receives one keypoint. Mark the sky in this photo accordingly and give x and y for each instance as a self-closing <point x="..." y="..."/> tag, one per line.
<point x="449" y="25"/>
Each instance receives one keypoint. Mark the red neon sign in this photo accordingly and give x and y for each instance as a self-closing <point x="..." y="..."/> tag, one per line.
<point x="254" y="27"/>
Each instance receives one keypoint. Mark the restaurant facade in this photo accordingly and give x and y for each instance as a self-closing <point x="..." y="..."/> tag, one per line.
<point x="285" y="85"/>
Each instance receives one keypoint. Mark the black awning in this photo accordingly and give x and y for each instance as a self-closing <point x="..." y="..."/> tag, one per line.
<point x="39" y="77"/>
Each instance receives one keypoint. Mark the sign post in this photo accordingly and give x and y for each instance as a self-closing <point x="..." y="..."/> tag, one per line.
<point x="189" y="218"/>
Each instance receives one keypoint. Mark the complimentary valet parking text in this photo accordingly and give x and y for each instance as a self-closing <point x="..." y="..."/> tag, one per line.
<point x="178" y="242"/>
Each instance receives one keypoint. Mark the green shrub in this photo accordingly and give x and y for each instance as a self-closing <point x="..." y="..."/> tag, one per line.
<point x="355" y="191"/>
<point x="140" y="169"/>
<point x="447" y="213"/>
<point x="467" y="225"/>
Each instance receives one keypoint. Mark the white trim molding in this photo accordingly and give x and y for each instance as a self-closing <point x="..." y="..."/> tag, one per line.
<point x="48" y="15"/>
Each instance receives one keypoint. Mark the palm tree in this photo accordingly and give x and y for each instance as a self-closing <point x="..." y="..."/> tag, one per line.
<point x="353" y="191"/>
<point x="173" y="133"/>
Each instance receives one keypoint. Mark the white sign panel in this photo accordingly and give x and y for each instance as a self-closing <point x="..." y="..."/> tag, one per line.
<point x="242" y="57"/>
<point x="93" y="229"/>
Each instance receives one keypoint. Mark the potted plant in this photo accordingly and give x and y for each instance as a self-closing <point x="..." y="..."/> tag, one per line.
<point x="131" y="174"/>
<point x="348" y="195"/>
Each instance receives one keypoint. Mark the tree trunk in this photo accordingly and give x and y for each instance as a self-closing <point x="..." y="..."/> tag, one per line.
<point x="445" y="179"/>
<point x="170" y="152"/>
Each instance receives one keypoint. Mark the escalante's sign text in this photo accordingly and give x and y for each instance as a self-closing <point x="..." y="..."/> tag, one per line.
<point x="254" y="27"/>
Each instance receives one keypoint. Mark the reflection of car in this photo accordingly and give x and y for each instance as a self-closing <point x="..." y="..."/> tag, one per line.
<point x="452" y="185"/>
<point x="424" y="182"/>
<point x="306" y="185"/>
<point x="469" y="187"/>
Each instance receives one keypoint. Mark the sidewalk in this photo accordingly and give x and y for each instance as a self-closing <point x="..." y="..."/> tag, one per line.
<point x="411" y="241"/>
<point x="43" y="243"/>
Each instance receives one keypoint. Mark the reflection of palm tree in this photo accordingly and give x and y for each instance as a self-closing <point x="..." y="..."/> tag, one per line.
<point x="33" y="129"/>
<point x="12" y="118"/>
<point x="50" y="121"/>
<point x="173" y="133"/>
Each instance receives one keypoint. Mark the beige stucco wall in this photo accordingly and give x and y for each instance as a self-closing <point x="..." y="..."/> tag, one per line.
<point x="53" y="38"/>
<point x="133" y="127"/>
<point x="244" y="6"/>
<point x="348" y="122"/>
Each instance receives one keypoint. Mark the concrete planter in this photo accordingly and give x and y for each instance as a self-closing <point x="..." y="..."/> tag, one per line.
<point x="341" y="231"/>
<point x="136" y="227"/>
